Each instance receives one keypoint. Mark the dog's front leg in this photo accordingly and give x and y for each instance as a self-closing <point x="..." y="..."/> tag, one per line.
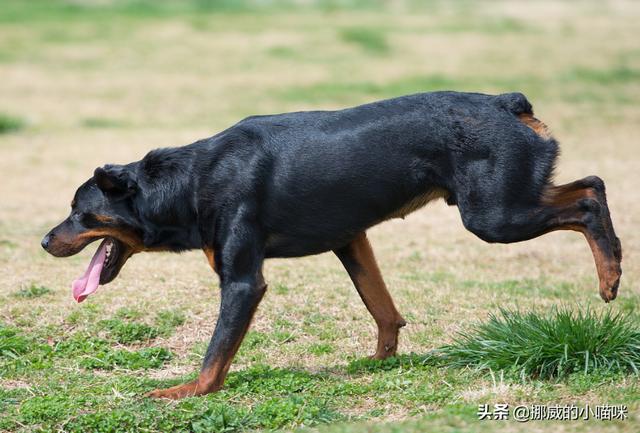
<point x="242" y="288"/>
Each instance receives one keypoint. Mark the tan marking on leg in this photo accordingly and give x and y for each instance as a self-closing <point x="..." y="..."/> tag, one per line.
<point x="366" y="276"/>
<point x="209" y="380"/>
<point x="212" y="376"/>
<point x="607" y="265"/>
<point x="210" y="257"/>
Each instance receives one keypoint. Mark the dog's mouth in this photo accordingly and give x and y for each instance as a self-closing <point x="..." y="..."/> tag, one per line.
<point x="103" y="268"/>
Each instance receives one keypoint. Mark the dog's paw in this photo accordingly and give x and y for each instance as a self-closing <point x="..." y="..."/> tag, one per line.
<point x="190" y="389"/>
<point x="610" y="291"/>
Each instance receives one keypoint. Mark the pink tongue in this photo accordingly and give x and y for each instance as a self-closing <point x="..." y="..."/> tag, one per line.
<point x="88" y="283"/>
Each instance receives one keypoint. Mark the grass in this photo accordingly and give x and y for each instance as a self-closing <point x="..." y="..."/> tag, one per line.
<point x="369" y="39"/>
<point x="549" y="346"/>
<point x="106" y="81"/>
<point x="32" y="291"/>
<point x="101" y="123"/>
<point x="10" y="123"/>
<point x="151" y="357"/>
<point x="127" y="332"/>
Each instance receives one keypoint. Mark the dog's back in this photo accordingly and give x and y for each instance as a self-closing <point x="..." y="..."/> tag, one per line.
<point x="385" y="159"/>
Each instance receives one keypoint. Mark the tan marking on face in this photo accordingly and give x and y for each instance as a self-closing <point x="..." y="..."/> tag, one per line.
<point x="127" y="237"/>
<point x="103" y="218"/>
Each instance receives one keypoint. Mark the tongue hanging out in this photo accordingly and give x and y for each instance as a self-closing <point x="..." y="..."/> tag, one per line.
<point x="88" y="283"/>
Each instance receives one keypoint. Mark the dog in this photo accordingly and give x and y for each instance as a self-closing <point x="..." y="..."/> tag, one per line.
<point x="303" y="183"/>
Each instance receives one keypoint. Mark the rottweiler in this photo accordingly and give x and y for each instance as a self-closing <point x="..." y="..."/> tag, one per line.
<point x="303" y="183"/>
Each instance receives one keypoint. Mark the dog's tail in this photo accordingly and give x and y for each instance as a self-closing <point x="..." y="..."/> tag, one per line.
<point x="515" y="103"/>
<point x="547" y="148"/>
<point x="518" y="105"/>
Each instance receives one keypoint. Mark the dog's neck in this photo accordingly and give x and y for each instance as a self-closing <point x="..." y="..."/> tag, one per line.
<point x="166" y="201"/>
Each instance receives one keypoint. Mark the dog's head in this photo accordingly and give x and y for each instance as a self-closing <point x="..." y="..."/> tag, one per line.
<point x="102" y="208"/>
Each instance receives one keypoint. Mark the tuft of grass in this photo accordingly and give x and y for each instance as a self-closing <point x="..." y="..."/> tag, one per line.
<point x="278" y="381"/>
<point x="32" y="291"/>
<point x="281" y="289"/>
<point x="370" y="40"/>
<point x="406" y="362"/>
<point x="10" y="123"/>
<point x="128" y="313"/>
<point x="168" y="320"/>
<point x="321" y="348"/>
<point x="547" y="346"/>
<point x="293" y="411"/>
<point x="102" y="123"/>
<point x="20" y="353"/>
<point x="282" y="52"/>
<point x="150" y="357"/>
<point x="129" y="332"/>
<point x="12" y="344"/>
<point x="619" y="74"/>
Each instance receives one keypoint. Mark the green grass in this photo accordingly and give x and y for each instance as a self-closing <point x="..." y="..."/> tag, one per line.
<point x="168" y="320"/>
<point x="150" y="357"/>
<point x="369" y="39"/>
<point x="129" y="332"/>
<point x="618" y="74"/>
<point x="102" y="123"/>
<point x="48" y="10"/>
<point x="12" y="344"/>
<point x="549" y="346"/>
<point x="10" y="123"/>
<point x="32" y="291"/>
<point x="263" y="397"/>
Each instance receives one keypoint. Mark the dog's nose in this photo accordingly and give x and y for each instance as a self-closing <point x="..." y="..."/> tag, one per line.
<point x="45" y="241"/>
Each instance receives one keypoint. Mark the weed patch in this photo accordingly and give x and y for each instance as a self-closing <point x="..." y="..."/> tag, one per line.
<point x="548" y="346"/>
<point x="370" y="40"/>
<point x="12" y="344"/>
<point x="19" y="353"/>
<point x="150" y="357"/>
<point x="274" y="381"/>
<point x="10" y="123"/>
<point x="321" y="348"/>
<point x="129" y="332"/>
<point x="102" y="123"/>
<point x="32" y="291"/>
<point x="168" y="320"/>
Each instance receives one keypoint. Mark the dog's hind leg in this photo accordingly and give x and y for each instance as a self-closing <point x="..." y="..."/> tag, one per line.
<point x="579" y="206"/>
<point x="359" y="261"/>
<point x="592" y="187"/>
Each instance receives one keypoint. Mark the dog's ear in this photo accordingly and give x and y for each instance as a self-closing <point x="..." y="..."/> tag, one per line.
<point x="115" y="179"/>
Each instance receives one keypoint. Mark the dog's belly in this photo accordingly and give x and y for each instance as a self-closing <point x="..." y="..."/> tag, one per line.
<point x="332" y="227"/>
<point x="282" y="245"/>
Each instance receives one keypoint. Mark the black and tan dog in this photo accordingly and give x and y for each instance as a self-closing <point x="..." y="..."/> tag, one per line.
<point x="304" y="183"/>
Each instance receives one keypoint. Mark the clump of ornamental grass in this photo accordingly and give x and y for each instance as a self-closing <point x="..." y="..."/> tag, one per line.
<point x="550" y="345"/>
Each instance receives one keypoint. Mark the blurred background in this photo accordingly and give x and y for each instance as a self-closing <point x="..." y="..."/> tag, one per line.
<point x="89" y="82"/>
